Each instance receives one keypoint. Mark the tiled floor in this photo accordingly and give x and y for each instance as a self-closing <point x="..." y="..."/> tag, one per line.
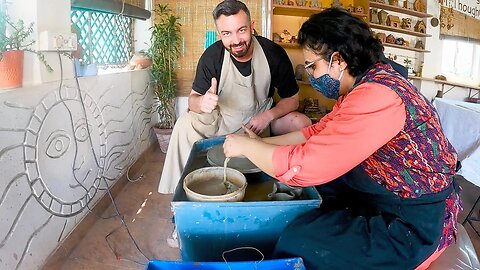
<point x="148" y="216"/>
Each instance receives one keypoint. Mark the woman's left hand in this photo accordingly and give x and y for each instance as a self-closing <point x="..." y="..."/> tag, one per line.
<point x="235" y="145"/>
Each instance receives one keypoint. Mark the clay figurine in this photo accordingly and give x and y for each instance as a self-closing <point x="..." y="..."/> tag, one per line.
<point x="382" y="37"/>
<point x="406" y="23"/>
<point x="393" y="21"/>
<point x="393" y="2"/>
<point x="382" y="17"/>
<point x="419" y="6"/>
<point x="286" y="36"/>
<point x="419" y="45"/>
<point x="300" y="3"/>
<point x="391" y="39"/>
<point x="420" y="27"/>
<point x="359" y="10"/>
<point x="374" y="15"/>
<point x="316" y="4"/>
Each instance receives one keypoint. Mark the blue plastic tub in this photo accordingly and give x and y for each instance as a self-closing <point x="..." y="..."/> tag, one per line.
<point x="207" y="229"/>
<point x="280" y="264"/>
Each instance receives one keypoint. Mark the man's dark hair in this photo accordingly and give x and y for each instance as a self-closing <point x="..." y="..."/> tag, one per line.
<point x="335" y="30"/>
<point x="230" y="7"/>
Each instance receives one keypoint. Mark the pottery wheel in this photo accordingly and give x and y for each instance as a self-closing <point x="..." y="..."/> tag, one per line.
<point x="216" y="157"/>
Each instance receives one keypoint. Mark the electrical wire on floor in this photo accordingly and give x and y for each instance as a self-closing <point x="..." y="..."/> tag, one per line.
<point x="108" y="190"/>
<point x="71" y="121"/>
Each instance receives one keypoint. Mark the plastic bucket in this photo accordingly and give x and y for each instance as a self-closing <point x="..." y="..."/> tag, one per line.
<point x="278" y="264"/>
<point x="206" y="185"/>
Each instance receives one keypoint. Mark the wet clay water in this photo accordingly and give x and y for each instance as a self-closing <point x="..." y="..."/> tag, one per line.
<point x="213" y="186"/>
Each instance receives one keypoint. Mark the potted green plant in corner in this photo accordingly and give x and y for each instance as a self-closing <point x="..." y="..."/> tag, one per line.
<point x="13" y="43"/>
<point x="164" y="52"/>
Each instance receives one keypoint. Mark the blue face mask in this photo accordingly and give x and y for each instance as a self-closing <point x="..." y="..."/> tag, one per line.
<point x="325" y="84"/>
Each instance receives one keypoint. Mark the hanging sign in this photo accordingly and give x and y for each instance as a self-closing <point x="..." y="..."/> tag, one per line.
<point x="469" y="7"/>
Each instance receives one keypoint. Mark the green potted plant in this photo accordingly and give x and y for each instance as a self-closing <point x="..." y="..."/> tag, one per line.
<point x="13" y="42"/>
<point x="164" y="52"/>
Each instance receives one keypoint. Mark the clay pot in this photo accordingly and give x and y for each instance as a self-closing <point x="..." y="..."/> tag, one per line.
<point x="11" y="69"/>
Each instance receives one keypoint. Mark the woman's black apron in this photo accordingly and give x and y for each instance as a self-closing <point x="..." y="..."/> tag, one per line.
<point x="362" y="225"/>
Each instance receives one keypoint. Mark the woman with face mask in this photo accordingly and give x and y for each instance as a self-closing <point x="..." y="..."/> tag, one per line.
<point x="379" y="160"/>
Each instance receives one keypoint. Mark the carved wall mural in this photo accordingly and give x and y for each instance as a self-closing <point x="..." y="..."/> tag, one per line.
<point x="61" y="146"/>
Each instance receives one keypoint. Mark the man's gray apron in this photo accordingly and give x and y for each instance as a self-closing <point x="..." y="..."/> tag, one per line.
<point x="239" y="98"/>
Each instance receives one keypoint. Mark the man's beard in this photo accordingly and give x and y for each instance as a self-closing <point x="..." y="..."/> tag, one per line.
<point x="240" y="53"/>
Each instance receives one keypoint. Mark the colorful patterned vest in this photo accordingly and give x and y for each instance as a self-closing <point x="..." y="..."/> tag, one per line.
<point x="424" y="160"/>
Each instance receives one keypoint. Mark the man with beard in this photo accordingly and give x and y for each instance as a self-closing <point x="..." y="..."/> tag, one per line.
<point x="235" y="81"/>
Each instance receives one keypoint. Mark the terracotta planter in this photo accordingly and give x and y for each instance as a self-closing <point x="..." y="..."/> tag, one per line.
<point x="11" y="69"/>
<point x="163" y="137"/>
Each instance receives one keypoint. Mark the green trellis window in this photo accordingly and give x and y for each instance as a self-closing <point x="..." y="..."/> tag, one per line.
<point x="106" y="39"/>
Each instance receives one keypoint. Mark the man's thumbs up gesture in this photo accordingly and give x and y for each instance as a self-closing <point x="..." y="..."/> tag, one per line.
<point x="210" y="100"/>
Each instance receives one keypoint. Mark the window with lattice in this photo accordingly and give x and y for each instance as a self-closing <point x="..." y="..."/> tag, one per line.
<point x="105" y="39"/>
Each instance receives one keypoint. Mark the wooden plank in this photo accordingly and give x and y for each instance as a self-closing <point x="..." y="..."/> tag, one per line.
<point x="398" y="30"/>
<point x="400" y="10"/>
<point x="404" y="48"/>
<point x="457" y="24"/>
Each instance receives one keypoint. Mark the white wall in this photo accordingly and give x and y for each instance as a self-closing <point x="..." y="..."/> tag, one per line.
<point x="61" y="145"/>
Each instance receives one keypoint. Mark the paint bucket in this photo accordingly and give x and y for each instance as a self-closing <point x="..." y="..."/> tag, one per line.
<point x="206" y="185"/>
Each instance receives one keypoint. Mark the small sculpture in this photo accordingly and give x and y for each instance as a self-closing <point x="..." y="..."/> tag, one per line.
<point x="374" y="15"/>
<point x="393" y="2"/>
<point x="290" y="2"/>
<point x="351" y="8"/>
<point x="420" y="27"/>
<point x="382" y="17"/>
<point x="359" y="10"/>
<point x="393" y="21"/>
<point x="300" y="3"/>
<point x="286" y="36"/>
<point x="406" y="23"/>
<point x="408" y="4"/>
<point x="382" y="37"/>
<point x="419" y="6"/>
<point x="399" y="41"/>
<point x="279" y="2"/>
<point x="316" y="4"/>
<point x="419" y="45"/>
<point x="391" y="39"/>
<point x="337" y="4"/>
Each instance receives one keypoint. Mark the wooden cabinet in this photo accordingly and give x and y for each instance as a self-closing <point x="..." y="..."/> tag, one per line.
<point x="403" y="13"/>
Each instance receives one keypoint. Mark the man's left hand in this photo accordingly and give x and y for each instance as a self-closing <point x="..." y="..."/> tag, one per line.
<point x="259" y="122"/>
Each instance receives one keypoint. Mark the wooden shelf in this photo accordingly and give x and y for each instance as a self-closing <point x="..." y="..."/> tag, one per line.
<point x="289" y="45"/>
<point x="404" y="48"/>
<point x="303" y="11"/>
<point x="398" y="30"/>
<point x="400" y="10"/>
<point x="294" y="10"/>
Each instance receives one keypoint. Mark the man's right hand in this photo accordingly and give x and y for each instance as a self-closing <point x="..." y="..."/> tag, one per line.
<point x="209" y="100"/>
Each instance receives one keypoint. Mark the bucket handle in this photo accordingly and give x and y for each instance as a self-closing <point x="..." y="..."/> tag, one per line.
<point x="240" y="248"/>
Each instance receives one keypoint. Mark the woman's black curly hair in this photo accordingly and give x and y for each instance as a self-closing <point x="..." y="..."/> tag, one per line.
<point x="335" y="30"/>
